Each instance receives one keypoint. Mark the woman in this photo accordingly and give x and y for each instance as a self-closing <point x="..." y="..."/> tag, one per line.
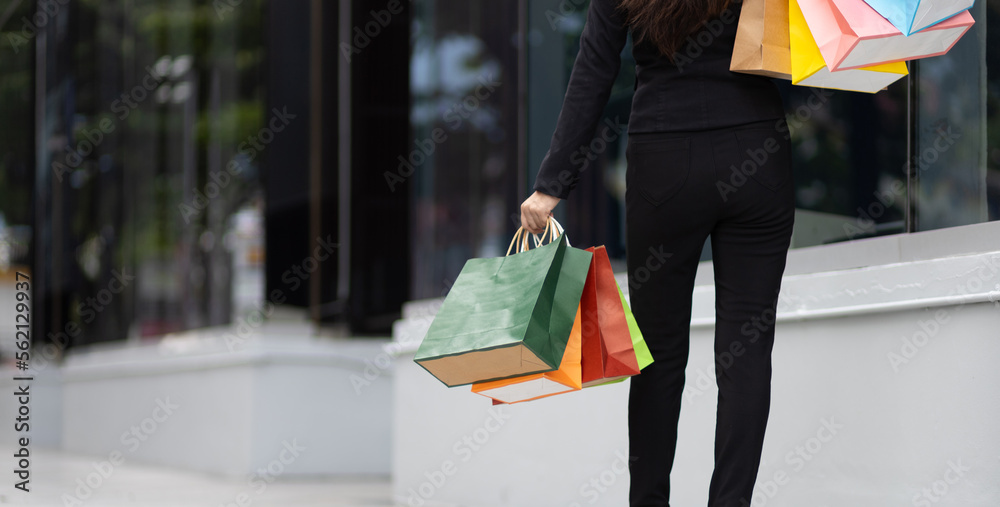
<point x="706" y="158"/>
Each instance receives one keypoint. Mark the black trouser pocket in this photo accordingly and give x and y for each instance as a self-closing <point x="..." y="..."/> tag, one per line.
<point x="658" y="169"/>
<point x="765" y="156"/>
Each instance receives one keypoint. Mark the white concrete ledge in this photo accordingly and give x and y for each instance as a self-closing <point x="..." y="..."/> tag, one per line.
<point x="225" y="401"/>
<point x="215" y="348"/>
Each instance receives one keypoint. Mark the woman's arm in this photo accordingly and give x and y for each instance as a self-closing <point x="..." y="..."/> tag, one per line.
<point x="594" y="73"/>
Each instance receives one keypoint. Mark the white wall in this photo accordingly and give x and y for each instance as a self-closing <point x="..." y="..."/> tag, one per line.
<point x="193" y="402"/>
<point x="862" y="430"/>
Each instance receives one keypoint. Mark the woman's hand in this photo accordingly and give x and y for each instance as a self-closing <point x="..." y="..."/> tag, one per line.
<point x="536" y="210"/>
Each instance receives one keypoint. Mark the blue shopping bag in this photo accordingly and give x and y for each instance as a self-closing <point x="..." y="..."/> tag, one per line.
<point x="911" y="16"/>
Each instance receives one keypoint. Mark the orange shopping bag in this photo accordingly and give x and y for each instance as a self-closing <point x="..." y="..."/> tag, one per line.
<point x="540" y="385"/>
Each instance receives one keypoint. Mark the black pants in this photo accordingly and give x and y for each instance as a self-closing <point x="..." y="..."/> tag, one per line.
<point x="735" y="186"/>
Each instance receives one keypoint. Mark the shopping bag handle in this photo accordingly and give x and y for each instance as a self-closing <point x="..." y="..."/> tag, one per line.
<point x="553" y="229"/>
<point x="556" y="231"/>
<point x="520" y="239"/>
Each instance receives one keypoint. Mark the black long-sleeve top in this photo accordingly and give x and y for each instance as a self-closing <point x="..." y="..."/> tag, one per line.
<point x="696" y="91"/>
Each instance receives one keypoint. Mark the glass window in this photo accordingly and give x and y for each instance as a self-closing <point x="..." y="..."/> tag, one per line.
<point x="17" y="170"/>
<point x="464" y="154"/>
<point x="956" y="163"/>
<point x="849" y="160"/>
<point x="16" y="136"/>
<point x="151" y="135"/>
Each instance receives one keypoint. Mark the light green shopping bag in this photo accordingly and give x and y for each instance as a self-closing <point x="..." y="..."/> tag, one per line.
<point x="642" y="353"/>
<point x="506" y="316"/>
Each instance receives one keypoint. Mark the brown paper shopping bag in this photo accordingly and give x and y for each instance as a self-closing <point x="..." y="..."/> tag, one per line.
<point x="762" y="45"/>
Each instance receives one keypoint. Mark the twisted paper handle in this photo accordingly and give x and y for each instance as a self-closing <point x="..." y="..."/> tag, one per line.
<point x="553" y="230"/>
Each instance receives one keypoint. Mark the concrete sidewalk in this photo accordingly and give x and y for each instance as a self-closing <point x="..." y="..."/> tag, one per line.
<point x="61" y="480"/>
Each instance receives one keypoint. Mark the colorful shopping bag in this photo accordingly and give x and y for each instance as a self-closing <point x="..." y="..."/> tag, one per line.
<point x="761" y="45"/>
<point x="506" y="316"/>
<point x="850" y="35"/>
<point x="608" y="353"/>
<point x="642" y="354"/>
<point x="540" y="385"/>
<point x="911" y="16"/>
<point x="809" y="67"/>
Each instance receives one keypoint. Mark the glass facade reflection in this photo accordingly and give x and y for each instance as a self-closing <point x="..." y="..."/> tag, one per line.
<point x="146" y="182"/>
<point x="138" y="150"/>
<point x="957" y="180"/>
<point x="464" y="157"/>
<point x="17" y="155"/>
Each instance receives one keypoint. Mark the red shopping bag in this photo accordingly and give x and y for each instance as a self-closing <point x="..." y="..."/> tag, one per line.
<point x="607" y="353"/>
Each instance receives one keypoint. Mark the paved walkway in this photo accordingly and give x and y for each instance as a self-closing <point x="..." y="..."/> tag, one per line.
<point x="59" y="479"/>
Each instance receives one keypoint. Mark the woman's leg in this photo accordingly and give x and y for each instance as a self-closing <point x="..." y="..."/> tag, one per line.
<point x="670" y="180"/>
<point x="749" y="247"/>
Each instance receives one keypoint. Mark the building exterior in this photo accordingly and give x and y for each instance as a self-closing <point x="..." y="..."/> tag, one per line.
<point x="240" y="216"/>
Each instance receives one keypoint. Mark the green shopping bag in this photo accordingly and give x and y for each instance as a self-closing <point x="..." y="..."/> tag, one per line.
<point x="642" y="353"/>
<point x="506" y="316"/>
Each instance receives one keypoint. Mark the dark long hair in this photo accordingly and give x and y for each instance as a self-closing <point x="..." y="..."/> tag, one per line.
<point x="666" y="23"/>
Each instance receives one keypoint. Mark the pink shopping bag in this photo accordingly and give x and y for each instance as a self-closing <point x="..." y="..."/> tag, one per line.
<point x="809" y="69"/>
<point x="850" y="34"/>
